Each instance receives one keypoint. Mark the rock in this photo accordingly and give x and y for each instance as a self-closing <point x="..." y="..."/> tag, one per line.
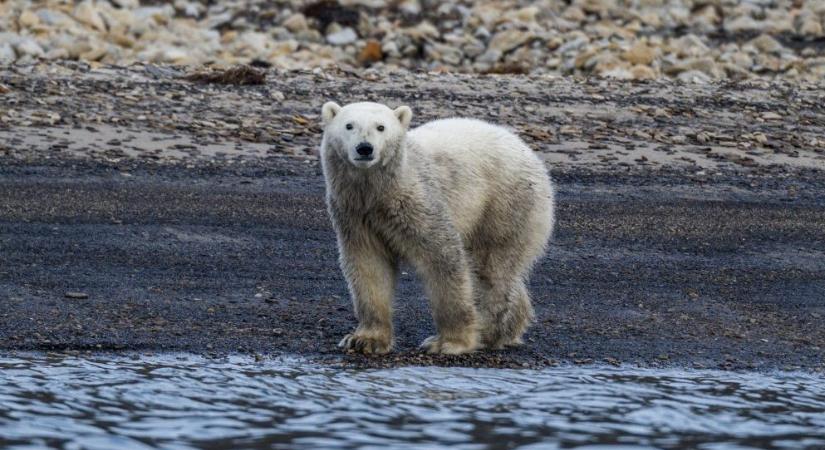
<point x="28" y="19"/>
<point x="640" y="53"/>
<point x="810" y="26"/>
<point x="7" y="54"/>
<point x="706" y="18"/>
<point x="343" y="37"/>
<point x="507" y="40"/>
<point x="770" y="115"/>
<point x="694" y="76"/>
<point x="619" y="73"/>
<point x="76" y="295"/>
<point x="86" y="12"/>
<point x="689" y="45"/>
<point x="641" y="72"/>
<point x="410" y="8"/>
<point x="4" y="89"/>
<point x="128" y="4"/>
<point x="371" y="53"/>
<point x="574" y="14"/>
<point x="390" y="48"/>
<point x="527" y="14"/>
<point x="742" y="23"/>
<point x="473" y="47"/>
<point x="296" y="23"/>
<point x="28" y="46"/>
<point x="443" y="53"/>
<point x="598" y="7"/>
<point x="766" y="43"/>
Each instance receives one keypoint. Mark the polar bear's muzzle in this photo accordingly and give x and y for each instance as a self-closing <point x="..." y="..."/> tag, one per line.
<point x="364" y="151"/>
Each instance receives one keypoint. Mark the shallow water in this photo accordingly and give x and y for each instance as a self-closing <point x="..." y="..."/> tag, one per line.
<point x="185" y="401"/>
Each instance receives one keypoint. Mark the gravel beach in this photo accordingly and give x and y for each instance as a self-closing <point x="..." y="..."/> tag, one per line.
<point x="695" y="41"/>
<point x="143" y="212"/>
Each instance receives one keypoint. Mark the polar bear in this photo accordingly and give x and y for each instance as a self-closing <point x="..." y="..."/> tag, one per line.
<point x="466" y="203"/>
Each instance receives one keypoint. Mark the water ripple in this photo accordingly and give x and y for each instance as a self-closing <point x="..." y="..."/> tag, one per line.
<point x="184" y="401"/>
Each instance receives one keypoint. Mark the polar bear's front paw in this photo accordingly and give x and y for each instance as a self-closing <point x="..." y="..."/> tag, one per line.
<point x="366" y="342"/>
<point x="439" y="344"/>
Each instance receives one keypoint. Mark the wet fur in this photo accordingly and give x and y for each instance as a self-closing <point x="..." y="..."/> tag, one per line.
<point x="466" y="203"/>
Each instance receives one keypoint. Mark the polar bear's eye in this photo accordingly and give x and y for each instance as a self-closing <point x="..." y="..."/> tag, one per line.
<point x="380" y="127"/>
<point x="349" y="126"/>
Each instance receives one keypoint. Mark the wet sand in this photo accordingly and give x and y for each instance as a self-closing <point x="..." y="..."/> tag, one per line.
<point x="170" y="229"/>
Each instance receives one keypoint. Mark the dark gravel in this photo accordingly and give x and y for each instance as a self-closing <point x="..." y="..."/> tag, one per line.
<point x="645" y="269"/>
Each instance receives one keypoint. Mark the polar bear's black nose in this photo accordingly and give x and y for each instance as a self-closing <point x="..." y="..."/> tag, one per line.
<point x="364" y="149"/>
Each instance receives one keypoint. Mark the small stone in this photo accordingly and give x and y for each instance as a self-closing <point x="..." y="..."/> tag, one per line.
<point x="643" y="73"/>
<point x="742" y="23"/>
<point x="4" y="89"/>
<point x="343" y="37"/>
<point x="7" y="54"/>
<point x="507" y="40"/>
<point x="28" y="19"/>
<point x="574" y="14"/>
<point x="86" y="12"/>
<point x="76" y="295"/>
<point x="767" y="44"/>
<point x="770" y="115"/>
<point x="296" y="23"/>
<point x="277" y="95"/>
<point x="28" y="46"/>
<point x="811" y="27"/>
<point x="390" y="48"/>
<point x="694" y="76"/>
<point x="640" y="53"/>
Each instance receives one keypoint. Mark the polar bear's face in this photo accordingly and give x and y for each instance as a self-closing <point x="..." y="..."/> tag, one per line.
<point x="364" y="134"/>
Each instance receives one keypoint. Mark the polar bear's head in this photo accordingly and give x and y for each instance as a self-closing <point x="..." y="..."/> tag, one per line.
<point x="364" y="134"/>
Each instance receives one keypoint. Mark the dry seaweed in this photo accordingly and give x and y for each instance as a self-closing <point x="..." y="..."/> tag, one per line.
<point x="238" y="75"/>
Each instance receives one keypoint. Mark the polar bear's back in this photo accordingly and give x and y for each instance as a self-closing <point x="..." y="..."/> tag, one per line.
<point x="477" y="164"/>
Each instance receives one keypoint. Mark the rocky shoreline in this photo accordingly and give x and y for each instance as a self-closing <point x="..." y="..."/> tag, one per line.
<point x="694" y="41"/>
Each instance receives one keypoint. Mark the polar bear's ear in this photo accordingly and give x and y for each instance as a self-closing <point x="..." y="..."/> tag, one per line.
<point x="329" y="111"/>
<point x="404" y="115"/>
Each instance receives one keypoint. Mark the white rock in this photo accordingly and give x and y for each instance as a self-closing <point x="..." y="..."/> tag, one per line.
<point x="390" y="49"/>
<point x="28" y="46"/>
<point x="86" y="12"/>
<point x="129" y="4"/>
<point x="296" y="23"/>
<point x="410" y="7"/>
<point x="54" y="18"/>
<point x="444" y="53"/>
<point x="619" y="73"/>
<point x="507" y="40"/>
<point x="742" y="23"/>
<point x="767" y="44"/>
<point x="7" y="54"/>
<point x="343" y="37"/>
<point x="694" y="76"/>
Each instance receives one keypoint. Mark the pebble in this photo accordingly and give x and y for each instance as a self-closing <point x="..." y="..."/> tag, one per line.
<point x="343" y="37"/>
<point x="76" y="295"/>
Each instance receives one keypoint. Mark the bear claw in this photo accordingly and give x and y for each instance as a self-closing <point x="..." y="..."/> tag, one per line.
<point x="359" y="343"/>
<point x="437" y="344"/>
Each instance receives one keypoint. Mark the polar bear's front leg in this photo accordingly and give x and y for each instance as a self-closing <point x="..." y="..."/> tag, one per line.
<point x="371" y="276"/>
<point x="449" y="287"/>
